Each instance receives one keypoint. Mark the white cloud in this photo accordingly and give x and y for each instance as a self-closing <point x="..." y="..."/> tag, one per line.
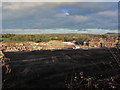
<point x="20" y="6"/>
<point x="79" y="18"/>
<point x="26" y="5"/>
<point x="60" y="0"/>
<point x="0" y="17"/>
<point x="0" y="5"/>
<point x="108" y="13"/>
<point x="50" y="15"/>
<point x="60" y="15"/>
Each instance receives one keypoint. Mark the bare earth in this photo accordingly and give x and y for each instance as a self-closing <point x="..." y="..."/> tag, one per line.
<point x="48" y="69"/>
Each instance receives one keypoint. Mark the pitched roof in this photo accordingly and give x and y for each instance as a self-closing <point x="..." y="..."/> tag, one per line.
<point x="110" y="40"/>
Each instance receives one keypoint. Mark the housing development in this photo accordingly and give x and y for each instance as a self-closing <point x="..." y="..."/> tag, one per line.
<point x="61" y="44"/>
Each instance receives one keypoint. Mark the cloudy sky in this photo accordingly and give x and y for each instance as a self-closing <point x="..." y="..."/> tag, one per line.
<point x="59" y="17"/>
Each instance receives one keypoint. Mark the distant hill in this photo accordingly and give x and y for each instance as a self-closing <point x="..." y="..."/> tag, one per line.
<point x="113" y="33"/>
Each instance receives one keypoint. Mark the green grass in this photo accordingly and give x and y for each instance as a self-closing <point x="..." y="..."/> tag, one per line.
<point x="4" y="40"/>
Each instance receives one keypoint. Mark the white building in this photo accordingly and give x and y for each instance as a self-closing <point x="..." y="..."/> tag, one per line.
<point x="68" y="43"/>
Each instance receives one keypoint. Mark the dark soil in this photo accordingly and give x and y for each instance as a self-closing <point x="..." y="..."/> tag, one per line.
<point x="48" y="69"/>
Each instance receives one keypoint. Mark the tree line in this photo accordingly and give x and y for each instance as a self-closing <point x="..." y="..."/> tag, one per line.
<point x="46" y="38"/>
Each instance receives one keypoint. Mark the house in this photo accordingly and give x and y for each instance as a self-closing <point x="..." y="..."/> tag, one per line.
<point x="86" y="42"/>
<point x="79" y="42"/>
<point x="103" y="42"/>
<point x="111" y="43"/>
<point x="19" y="44"/>
<point x="96" y="42"/>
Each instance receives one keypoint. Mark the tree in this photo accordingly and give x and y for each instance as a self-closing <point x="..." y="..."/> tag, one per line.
<point x="7" y="35"/>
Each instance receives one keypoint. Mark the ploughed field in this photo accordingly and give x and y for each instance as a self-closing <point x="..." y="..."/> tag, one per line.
<point x="49" y="68"/>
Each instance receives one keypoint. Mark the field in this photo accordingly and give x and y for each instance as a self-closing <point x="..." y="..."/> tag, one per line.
<point x="49" y="68"/>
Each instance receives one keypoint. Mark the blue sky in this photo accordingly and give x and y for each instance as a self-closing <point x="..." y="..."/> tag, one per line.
<point x="59" y="17"/>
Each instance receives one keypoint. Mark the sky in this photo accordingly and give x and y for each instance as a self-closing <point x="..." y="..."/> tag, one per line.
<point x="59" y="17"/>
